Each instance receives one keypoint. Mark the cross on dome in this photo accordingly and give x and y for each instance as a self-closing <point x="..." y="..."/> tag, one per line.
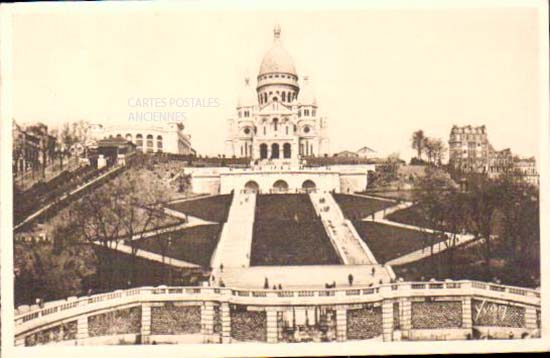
<point x="277" y="32"/>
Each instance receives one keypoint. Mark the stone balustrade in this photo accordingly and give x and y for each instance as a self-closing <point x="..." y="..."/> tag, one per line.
<point x="212" y="309"/>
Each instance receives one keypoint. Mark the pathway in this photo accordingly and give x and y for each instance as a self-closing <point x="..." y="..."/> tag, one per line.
<point x="380" y="217"/>
<point x="235" y="243"/>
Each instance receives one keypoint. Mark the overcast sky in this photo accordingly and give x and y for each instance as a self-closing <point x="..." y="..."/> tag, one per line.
<point x="378" y="74"/>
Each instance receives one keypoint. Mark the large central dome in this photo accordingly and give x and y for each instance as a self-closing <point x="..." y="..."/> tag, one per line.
<point x="277" y="60"/>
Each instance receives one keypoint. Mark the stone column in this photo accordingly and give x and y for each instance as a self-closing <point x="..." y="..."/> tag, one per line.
<point x="405" y="319"/>
<point x="341" y="324"/>
<point x="387" y="320"/>
<point x="207" y="319"/>
<point x="226" y="322"/>
<point x="81" y="329"/>
<point x="145" y="323"/>
<point x="531" y="318"/>
<point x="272" y="336"/>
<point x="467" y="312"/>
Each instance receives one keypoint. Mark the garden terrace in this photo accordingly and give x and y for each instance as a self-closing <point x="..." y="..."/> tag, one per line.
<point x="284" y="207"/>
<point x="213" y="208"/>
<point x="389" y="242"/>
<point x="286" y="242"/>
<point x="357" y="208"/>
<point x="194" y="244"/>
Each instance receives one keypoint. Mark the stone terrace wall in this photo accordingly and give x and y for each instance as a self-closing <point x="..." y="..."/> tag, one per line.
<point x="438" y="314"/>
<point x="249" y="325"/>
<point x="64" y="332"/>
<point x="364" y="323"/>
<point x="486" y="313"/>
<point x="125" y="321"/>
<point x="171" y="319"/>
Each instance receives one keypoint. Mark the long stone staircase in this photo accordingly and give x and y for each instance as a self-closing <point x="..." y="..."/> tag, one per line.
<point x="233" y="250"/>
<point x="341" y="231"/>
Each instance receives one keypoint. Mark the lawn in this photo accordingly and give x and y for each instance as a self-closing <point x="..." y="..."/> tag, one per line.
<point x="195" y="244"/>
<point x="213" y="208"/>
<point x="356" y="208"/>
<point x="296" y="207"/>
<point x="410" y="216"/>
<point x="389" y="242"/>
<point x="286" y="242"/>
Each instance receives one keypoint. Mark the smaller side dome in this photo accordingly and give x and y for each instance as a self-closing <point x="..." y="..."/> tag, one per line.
<point x="307" y="97"/>
<point x="247" y="95"/>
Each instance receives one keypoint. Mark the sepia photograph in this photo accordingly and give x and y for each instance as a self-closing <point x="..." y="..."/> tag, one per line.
<point x="351" y="175"/>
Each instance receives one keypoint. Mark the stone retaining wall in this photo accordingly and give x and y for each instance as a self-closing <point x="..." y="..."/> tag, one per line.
<point x="364" y="323"/>
<point x="437" y="314"/>
<point x="171" y="319"/>
<point x="487" y="313"/>
<point x="123" y="321"/>
<point x="63" y="332"/>
<point x="248" y="325"/>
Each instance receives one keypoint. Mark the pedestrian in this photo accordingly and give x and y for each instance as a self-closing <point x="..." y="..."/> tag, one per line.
<point x="350" y="279"/>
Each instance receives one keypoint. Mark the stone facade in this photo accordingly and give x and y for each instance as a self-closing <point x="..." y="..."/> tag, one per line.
<point x="278" y="119"/>
<point x="164" y="137"/>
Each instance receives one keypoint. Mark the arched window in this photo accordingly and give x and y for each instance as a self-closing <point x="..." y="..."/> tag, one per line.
<point x="286" y="150"/>
<point x="275" y="122"/>
<point x="139" y="141"/>
<point x="265" y="97"/>
<point x="128" y="137"/>
<point x="275" y="151"/>
<point x="283" y="97"/>
<point x="263" y="151"/>
<point x="150" y="143"/>
<point x="119" y="135"/>
<point x="159" y="143"/>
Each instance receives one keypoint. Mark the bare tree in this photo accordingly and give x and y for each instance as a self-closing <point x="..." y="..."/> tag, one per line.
<point x="418" y="142"/>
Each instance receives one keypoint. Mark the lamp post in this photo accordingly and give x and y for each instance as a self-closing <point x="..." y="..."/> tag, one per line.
<point x="169" y="261"/>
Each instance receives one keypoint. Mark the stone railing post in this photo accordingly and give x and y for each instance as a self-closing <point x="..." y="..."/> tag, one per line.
<point x="207" y="319"/>
<point x="81" y="329"/>
<point x="145" y="323"/>
<point x="272" y="329"/>
<point x="226" y="322"/>
<point x="531" y="318"/>
<point x="387" y="320"/>
<point x="405" y="317"/>
<point x="341" y="324"/>
<point x="467" y="312"/>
